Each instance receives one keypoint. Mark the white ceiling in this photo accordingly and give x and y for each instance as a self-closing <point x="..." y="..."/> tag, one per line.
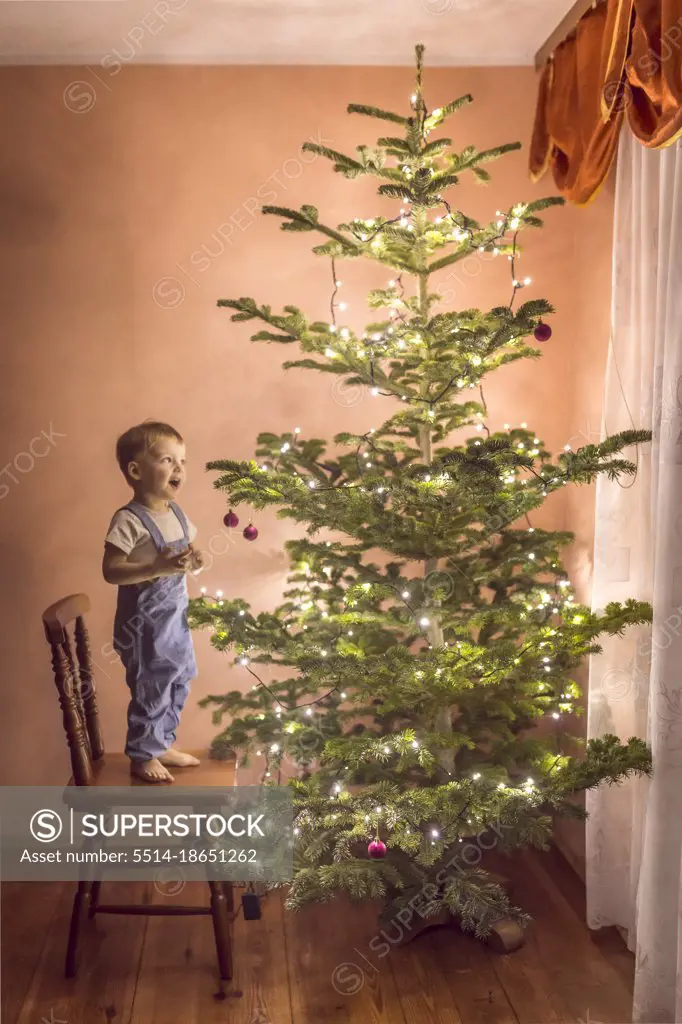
<point x="455" y="32"/>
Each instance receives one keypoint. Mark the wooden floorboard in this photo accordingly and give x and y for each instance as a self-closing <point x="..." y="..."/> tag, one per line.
<point x="587" y="985"/>
<point x="102" y="992"/>
<point x="327" y="964"/>
<point x="572" y="886"/>
<point x="425" y="990"/>
<point x="332" y="978"/>
<point x="25" y="917"/>
<point x="261" y="967"/>
<point x="179" y="967"/>
<point x="476" y="990"/>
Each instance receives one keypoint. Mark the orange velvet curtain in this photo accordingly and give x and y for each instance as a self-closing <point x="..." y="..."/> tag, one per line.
<point x="624" y="60"/>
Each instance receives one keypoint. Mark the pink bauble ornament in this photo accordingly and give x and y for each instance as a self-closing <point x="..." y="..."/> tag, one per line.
<point x="231" y="519"/>
<point x="250" y="533"/>
<point x="543" y="332"/>
<point x="377" y="849"/>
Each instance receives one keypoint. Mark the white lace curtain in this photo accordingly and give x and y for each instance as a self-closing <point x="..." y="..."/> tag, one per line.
<point x="634" y="833"/>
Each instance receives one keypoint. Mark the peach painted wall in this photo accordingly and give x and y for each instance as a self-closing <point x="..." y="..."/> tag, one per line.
<point x="127" y="210"/>
<point x="587" y="347"/>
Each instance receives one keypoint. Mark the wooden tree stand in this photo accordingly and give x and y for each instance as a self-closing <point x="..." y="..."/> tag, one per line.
<point x="506" y="935"/>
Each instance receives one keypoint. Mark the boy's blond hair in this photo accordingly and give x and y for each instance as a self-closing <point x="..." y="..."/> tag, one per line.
<point x="139" y="439"/>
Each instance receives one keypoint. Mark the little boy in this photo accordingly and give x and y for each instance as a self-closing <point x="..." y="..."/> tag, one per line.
<point x="147" y="552"/>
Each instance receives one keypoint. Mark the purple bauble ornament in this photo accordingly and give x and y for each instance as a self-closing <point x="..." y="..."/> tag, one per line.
<point x="543" y="332"/>
<point x="250" y="533"/>
<point x="377" y="849"/>
<point x="231" y="519"/>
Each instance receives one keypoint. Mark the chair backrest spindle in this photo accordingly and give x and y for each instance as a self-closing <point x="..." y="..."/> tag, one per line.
<point x="75" y="684"/>
<point x="87" y="691"/>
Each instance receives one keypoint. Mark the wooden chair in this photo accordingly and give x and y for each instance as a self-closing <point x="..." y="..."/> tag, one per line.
<point x="92" y="766"/>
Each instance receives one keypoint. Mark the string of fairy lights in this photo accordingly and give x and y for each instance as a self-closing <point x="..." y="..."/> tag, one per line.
<point x="400" y="334"/>
<point x="461" y="232"/>
<point x="306" y="708"/>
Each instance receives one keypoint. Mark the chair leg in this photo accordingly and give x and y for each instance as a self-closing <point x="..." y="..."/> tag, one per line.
<point x="221" y="930"/>
<point x="228" y="889"/>
<point x="78" y="915"/>
<point x="94" y="898"/>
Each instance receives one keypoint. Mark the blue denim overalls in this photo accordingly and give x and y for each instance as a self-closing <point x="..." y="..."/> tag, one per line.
<point x="153" y="640"/>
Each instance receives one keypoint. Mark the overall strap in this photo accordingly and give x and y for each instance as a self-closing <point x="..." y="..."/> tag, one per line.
<point x="183" y="520"/>
<point x="140" y="511"/>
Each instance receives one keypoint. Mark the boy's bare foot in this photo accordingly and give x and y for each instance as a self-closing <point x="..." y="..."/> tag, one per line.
<point x="150" y="771"/>
<point x="177" y="759"/>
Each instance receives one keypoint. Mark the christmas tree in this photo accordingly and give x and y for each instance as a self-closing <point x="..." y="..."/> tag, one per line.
<point x="411" y="659"/>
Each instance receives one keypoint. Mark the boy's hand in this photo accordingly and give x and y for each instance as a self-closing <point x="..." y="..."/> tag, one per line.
<point x="168" y="564"/>
<point x="197" y="560"/>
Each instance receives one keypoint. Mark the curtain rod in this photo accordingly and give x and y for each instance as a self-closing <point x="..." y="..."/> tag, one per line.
<point x="563" y="29"/>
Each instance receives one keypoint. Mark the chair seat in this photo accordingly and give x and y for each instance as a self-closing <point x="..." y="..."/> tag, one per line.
<point x="114" y="770"/>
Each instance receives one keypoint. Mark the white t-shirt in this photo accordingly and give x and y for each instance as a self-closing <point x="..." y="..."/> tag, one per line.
<point x="128" y="533"/>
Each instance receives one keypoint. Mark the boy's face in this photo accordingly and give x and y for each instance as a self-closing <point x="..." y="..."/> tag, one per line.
<point x="160" y="471"/>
